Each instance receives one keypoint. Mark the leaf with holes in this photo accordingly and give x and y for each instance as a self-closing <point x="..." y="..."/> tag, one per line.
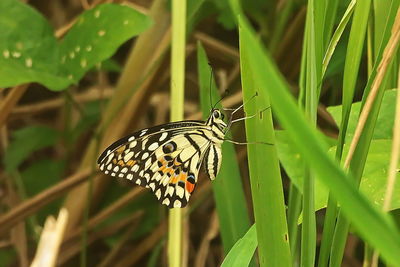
<point x="96" y="36"/>
<point x="29" y="50"/>
<point x="32" y="54"/>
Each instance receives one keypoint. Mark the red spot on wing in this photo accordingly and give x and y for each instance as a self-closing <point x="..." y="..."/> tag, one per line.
<point x="189" y="187"/>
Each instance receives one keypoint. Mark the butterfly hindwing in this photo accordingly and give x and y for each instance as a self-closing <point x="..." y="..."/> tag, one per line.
<point x="173" y="174"/>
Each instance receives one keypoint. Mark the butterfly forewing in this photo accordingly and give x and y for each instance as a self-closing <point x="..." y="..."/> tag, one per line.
<point x="165" y="158"/>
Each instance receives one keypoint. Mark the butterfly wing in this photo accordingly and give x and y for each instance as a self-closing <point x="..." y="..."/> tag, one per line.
<point x="165" y="159"/>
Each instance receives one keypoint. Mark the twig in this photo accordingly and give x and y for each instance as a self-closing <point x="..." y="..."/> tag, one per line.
<point x="10" y="101"/>
<point x="33" y="204"/>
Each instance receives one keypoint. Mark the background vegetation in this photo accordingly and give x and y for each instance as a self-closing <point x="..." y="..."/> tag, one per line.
<point x="77" y="75"/>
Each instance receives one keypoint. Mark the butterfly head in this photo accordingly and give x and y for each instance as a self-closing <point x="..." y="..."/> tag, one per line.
<point x="216" y="119"/>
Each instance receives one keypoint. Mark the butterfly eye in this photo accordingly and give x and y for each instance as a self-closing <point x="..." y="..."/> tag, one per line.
<point x="216" y="114"/>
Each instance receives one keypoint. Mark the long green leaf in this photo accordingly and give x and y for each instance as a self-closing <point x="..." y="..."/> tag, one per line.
<point x="380" y="231"/>
<point x="265" y="178"/>
<point x="227" y="187"/>
<point x="241" y="253"/>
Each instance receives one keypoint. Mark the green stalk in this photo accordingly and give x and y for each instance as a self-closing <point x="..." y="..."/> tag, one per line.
<point x="315" y="22"/>
<point x="177" y="96"/>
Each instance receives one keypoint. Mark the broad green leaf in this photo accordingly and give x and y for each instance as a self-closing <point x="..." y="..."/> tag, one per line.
<point x="241" y="253"/>
<point x="380" y="231"/>
<point x="227" y="187"/>
<point x="32" y="54"/>
<point x="384" y="123"/>
<point x="29" y="50"/>
<point x="25" y="141"/>
<point x="373" y="181"/>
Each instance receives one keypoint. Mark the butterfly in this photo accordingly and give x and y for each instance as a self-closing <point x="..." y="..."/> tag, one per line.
<point x="167" y="158"/>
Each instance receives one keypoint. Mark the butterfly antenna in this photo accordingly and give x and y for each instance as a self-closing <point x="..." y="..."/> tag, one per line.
<point x="211" y="78"/>
<point x="225" y="94"/>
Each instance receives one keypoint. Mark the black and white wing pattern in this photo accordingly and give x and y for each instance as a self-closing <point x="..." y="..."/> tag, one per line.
<point x="165" y="158"/>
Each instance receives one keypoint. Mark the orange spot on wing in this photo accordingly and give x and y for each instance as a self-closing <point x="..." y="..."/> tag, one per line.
<point x="182" y="177"/>
<point x="130" y="163"/>
<point x="121" y="163"/>
<point x="120" y="150"/>
<point x="174" y="180"/>
<point x="114" y="161"/>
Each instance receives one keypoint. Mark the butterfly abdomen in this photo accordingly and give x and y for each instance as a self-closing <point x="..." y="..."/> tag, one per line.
<point x="213" y="161"/>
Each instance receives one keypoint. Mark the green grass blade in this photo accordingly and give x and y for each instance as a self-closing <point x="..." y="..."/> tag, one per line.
<point x="227" y="187"/>
<point x="337" y="35"/>
<point x="177" y="96"/>
<point x="352" y="63"/>
<point x="380" y="231"/>
<point x="265" y="178"/>
<point x="241" y="253"/>
<point x="360" y="154"/>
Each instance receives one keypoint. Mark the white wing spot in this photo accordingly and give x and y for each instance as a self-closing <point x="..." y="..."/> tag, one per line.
<point x="141" y="173"/>
<point x="147" y="164"/>
<point x="130" y="139"/>
<point x="6" y="54"/>
<point x="121" y="175"/>
<point x="109" y="167"/>
<point x="124" y="170"/>
<point x="28" y="62"/>
<point x="135" y="168"/>
<point x="129" y="176"/>
<point x="147" y="177"/>
<point x="158" y="194"/>
<point x="143" y="132"/>
<point x="163" y="136"/>
<point x="113" y="174"/>
<point x="170" y="190"/>
<point x="138" y="181"/>
<point x="177" y="204"/>
<point x="153" y="146"/>
<point x="145" y="155"/>
<point x="116" y="168"/>
<point x="133" y="144"/>
<point x="102" y="167"/>
<point x="106" y="172"/>
<point x="180" y="192"/>
<point x="166" y="201"/>
<point x="152" y="186"/>
<point x="128" y="156"/>
<point x="101" y="33"/>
